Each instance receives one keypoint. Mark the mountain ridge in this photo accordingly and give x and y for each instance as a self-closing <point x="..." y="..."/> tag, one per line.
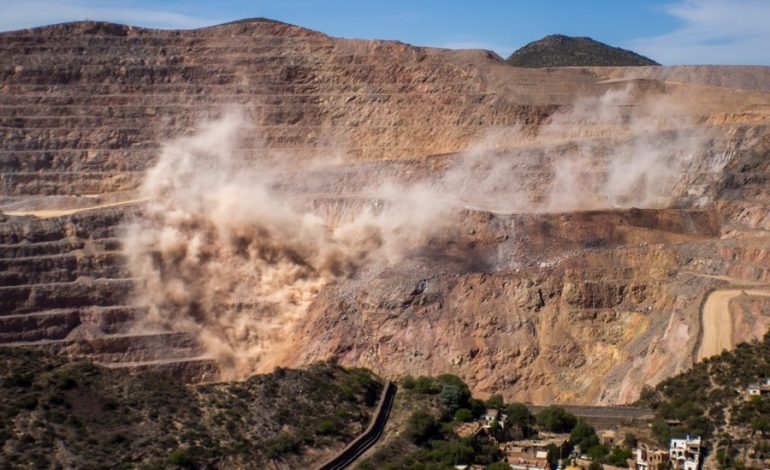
<point x="558" y="50"/>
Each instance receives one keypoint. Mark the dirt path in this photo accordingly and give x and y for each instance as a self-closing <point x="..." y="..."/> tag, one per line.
<point x="47" y="213"/>
<point x="717" y="320"/>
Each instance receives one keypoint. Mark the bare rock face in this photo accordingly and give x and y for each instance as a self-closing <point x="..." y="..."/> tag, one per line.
<point x="558" y="229"/>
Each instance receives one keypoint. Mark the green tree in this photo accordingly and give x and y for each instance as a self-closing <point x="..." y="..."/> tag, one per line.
<point x="463" y="415"/>
<point x="426" y="385"/>
<point x="556" y="419"/>
<point x="420" y="427"/>
<point x="451" y="452"/>
<point x="477" y="407"/>
<point x="583" y="435"/>
<point x="598" y="452"/>
<point x="495" y="402"/>
<point x="619" y="457"/>
<point x="662" y="431"/>
<point x="520" y="417"/>
<point x="452" y="398"/>
<point x="499" y="466"/>
<point x="556" y="453"/>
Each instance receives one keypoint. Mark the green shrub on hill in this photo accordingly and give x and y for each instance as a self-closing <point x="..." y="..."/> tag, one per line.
<point x="710" y="400"/>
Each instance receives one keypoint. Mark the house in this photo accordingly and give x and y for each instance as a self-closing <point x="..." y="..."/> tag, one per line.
<point x="756" y="390"/>
<point x="648" y="458"/>
<point x="468" y="429"/>
<point x="685" y="453"/>
<point x="491" y="416"/>
<point x="526" y="455"/>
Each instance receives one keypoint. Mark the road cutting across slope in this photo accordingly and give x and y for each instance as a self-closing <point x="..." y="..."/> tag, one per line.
<point x="717" y="322"/>
<point x="47" y="213"/>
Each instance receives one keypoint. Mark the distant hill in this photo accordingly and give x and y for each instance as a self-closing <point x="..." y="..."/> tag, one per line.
<point x="564" y="51"/>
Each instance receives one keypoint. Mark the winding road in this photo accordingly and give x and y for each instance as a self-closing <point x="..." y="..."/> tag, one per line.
<point x="717" y="321"/>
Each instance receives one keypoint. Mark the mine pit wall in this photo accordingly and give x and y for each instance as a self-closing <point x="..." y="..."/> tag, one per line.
<point x="93" y="124"/>
<point x="528" y="306"/>
<point x="530" y="333"/>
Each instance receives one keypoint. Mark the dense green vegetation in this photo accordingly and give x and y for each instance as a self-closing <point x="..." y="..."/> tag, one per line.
<point x="437" y="406"/>
<point x="710" y="400"/>
<point x="78" y="415"/>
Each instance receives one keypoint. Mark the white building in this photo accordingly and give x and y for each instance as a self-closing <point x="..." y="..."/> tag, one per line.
<point x="685" y="453"/>
<point x="491" y="416"/>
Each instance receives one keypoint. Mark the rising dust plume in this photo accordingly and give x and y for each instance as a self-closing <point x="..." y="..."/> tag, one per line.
<point x="225" y="252"/>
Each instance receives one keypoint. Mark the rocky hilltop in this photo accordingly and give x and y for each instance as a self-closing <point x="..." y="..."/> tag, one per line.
<point x="548" y="234"/>
<point x="558" y="50"/>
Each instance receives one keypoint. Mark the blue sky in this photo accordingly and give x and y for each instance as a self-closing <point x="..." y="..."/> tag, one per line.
<point x="669" y="31"/>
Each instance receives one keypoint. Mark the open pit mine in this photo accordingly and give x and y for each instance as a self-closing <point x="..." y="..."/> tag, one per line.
<point x="217" y="202"/>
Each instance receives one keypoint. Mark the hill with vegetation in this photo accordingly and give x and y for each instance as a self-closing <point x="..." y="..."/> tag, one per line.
<point x="711" y="400"/>
<point x="425" y="430"/>
<point x="59" y="414"/>
<point x="566" y="51"/>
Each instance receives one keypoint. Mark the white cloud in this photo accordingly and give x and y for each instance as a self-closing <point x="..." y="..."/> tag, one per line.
<point x="713" y="32"/>
<point x="26" y="14"/>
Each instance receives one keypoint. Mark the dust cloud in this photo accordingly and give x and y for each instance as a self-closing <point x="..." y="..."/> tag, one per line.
<point x="222" y="254"/>
<point x="617" y="150"/>
<point x="225" y="250"/>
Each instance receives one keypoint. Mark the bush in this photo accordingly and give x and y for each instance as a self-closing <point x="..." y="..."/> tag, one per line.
<point x="283" y="443"/>
<point x="327" y="426"/>
<point x="180" y="457"/>
<point x="630" y="440"/>
<point x="477" y="407"/>
<point x="451" y="452"/>
<point x="408" y="382"/>
<point x="463" y="415"/>
<point x="556" y="419"/>
<point x="520" y="417"/>
<point x="499" y="466"/>
<point x="426" y="385"/>
<point x="421" y="427"/>
<point x="495" y="402"/>
<point x="598" y="451"/>
<point x="17" y="380"/>
<point x="619" y="457"/>
<point x="452" y="398"/>
<point x="583" y="435"/>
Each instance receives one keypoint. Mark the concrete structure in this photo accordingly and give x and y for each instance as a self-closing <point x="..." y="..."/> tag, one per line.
<point x="491" y="416"/>
<point x="755" y="390"/>
<point x="526" y="454"/>
<point x="529" y="454"/>
<point x="468" y="429"/>
<point x="685" y="453"/>
<point x="648" y="458"/>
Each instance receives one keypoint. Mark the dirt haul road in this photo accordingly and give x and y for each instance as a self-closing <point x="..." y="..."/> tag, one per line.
<point x="718" y="322"/>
